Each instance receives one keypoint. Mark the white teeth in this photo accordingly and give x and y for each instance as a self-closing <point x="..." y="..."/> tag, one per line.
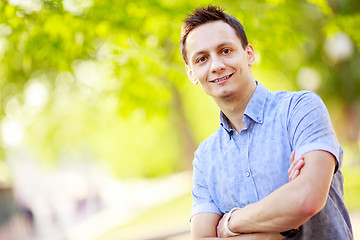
<point x="221" y="79"/>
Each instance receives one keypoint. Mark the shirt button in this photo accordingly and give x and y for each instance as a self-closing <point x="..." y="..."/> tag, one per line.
<point x="247" y="174"/>
<point x="259" y="119"/>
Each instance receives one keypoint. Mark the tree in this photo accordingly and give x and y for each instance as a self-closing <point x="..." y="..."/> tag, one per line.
<point x="104" y="79"/>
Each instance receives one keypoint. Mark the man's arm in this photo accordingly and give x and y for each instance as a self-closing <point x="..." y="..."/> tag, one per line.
<point x="294" y="203"/>
<point x="204" y="225"/>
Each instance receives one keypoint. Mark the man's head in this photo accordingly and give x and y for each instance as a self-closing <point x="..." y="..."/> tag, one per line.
<point x="209" y="14"/>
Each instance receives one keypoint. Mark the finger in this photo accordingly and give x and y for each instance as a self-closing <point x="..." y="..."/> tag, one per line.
<point x="297" y="168"/>
<point x="297" y="164"/>
<point x="220" y="226"/>
<point x="300" y="164"/>
<point x="292" y="156"/>
<point x="218" y="231"/>
<point x="294" y="165"/>
<point x="294" y="174"/>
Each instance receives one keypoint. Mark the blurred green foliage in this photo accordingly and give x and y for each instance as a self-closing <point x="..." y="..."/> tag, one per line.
<point x="103" y="80"/>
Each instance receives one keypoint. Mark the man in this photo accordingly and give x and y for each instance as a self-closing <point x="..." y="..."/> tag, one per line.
<point x="240" y="175"/>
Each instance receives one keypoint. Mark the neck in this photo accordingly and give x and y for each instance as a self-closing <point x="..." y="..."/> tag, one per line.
<point x="234" y="108"/>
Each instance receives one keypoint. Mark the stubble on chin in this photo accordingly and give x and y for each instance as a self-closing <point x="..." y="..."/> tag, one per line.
<point x="226" y="95"/>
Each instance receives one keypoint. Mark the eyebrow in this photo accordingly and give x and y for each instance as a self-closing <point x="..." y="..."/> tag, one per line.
<point x="204" y="51"/>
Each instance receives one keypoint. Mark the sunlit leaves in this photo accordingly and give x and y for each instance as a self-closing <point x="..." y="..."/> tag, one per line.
<point x="110" y="80"/>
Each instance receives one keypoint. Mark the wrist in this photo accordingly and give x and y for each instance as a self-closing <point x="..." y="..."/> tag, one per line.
<point x="227" y="224"/>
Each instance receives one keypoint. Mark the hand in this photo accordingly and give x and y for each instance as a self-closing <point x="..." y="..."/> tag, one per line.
<point x="295" y="166"/>
<point x="252" y="236"/>
<point x="220" y="229"/>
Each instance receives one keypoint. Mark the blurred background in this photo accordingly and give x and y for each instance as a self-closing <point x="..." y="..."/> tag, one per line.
<point x="98" y="121"/>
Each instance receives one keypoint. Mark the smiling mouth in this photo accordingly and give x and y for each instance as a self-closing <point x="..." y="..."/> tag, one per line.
<point x="221" y="79"/>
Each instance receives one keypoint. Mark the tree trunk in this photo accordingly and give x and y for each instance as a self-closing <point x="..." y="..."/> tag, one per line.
<point x="184" y="130"/>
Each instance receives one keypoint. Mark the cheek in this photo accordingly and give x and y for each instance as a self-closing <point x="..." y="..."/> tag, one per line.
<point x="241" y="66"/>
<point x="200" y="72"/>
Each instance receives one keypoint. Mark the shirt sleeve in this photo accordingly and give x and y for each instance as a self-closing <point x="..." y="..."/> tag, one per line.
<point x="310" y="127"/>
<point x="202" y="200"/>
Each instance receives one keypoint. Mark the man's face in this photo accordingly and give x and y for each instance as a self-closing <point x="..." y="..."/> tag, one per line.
<point x="217" y="60"/>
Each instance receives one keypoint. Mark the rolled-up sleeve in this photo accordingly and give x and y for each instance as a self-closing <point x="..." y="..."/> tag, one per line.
<point x="202" y="200"/>
<point x="310" y="127"/>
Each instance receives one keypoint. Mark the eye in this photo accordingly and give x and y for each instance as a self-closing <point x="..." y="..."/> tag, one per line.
<point x="201" y="59"/>
<point x="226" y="51"/>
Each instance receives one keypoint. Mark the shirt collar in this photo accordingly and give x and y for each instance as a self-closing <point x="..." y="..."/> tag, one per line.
<point x="255" y="108"/>
<point x="224" y="122"/>
<point x="256" y="105"/>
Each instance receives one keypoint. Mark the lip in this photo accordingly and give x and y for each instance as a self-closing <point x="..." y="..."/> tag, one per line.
<point x="222" y="79"/>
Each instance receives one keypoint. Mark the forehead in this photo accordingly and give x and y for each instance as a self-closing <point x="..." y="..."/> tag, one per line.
<point x="209" y="35"/>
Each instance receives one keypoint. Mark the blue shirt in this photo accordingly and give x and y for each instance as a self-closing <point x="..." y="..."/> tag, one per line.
<point x="234" y="170"/>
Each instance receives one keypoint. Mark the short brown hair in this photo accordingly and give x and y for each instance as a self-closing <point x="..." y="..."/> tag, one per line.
<point x="208" y="14"/>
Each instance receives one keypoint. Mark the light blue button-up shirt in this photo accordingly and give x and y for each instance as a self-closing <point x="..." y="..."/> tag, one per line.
<point x="234" y="170"/>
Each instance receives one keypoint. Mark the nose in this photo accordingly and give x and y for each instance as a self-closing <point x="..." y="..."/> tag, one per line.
<point x="217" y="65"/>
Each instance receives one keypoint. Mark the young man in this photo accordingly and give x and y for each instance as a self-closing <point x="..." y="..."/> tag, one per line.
<point x="240" y="175"/>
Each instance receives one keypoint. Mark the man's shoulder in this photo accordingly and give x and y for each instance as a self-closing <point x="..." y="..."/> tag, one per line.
<point x="293" y="95"/>
<point x="294" y="98"/>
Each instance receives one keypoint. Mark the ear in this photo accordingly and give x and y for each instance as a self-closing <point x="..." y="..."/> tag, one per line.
<point x="190" y="75"/>
<point x="251" y="55"/>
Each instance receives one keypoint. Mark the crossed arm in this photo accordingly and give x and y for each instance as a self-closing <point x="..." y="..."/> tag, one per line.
<point x="203" y="226"/>
<point x="301" y="198"/>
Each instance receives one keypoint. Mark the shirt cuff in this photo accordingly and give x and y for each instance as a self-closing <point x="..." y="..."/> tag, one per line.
<point x="318" y="146"/>
<point x="205" y="208"/>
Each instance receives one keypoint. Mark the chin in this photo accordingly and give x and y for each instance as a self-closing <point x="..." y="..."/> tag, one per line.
<point x="226" y="95"/>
